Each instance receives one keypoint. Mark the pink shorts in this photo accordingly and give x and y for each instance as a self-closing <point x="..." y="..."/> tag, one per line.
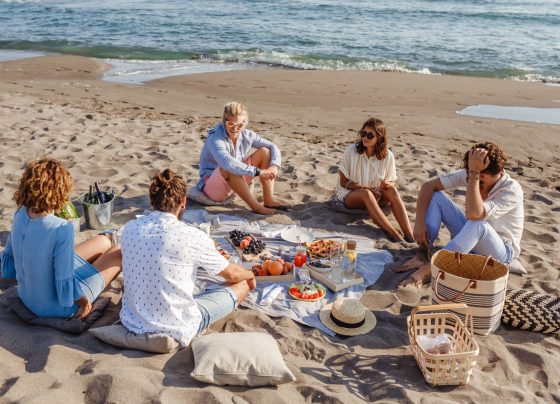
<point x="217" y="188"/>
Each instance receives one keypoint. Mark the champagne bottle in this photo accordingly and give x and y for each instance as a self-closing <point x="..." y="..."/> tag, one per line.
<point x="89" y="196"/>
<point x="100" y="195"/>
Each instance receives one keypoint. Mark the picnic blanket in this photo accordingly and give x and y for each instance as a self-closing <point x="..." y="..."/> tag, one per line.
<point x="370" y="265"/>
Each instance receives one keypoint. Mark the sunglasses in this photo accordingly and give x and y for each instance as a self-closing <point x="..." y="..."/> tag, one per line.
<point x="369" y="135"/>
<point x="235" y="125"/>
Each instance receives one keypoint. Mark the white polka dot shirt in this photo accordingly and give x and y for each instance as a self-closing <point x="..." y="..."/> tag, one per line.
<point x="160" y="259"/>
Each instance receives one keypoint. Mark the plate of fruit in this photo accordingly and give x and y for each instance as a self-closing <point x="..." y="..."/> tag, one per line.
<point x="274" y="267"/>
<point x="249" y="245"/>
<point x="309" y="292"/>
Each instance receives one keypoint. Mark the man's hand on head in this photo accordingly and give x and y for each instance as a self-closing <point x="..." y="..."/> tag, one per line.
<point x="478" y="159"/>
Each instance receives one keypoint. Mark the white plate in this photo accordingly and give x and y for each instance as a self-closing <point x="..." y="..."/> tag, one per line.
<point x="291" y="234"/>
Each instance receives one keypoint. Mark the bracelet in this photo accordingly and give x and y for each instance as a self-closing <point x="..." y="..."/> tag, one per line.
<point x="474" y="177"/>
<point x="474" y="172"/>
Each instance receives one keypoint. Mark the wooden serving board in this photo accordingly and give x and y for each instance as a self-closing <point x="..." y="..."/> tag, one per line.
<point x="248" y="257"/>
<point x="290" y="277"/>
<point x="335" y="287"/>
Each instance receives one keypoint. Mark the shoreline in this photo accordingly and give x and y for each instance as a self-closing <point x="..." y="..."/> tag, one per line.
<point x="120" y="135"/>
<point x="140" y="71"/>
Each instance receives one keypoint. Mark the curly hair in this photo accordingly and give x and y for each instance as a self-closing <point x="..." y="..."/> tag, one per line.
<point x="378" y="126"/>
<point x="167" y="191"/>
<point x="44" y="186"/>
<point x="496" y="155"/>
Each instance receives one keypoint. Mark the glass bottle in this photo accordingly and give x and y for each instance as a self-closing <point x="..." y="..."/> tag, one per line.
<point x="349" y="260"/>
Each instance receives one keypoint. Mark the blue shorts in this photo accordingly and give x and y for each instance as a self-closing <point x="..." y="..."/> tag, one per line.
<point x="214" y="305"/>
<point x="91" y="281"/>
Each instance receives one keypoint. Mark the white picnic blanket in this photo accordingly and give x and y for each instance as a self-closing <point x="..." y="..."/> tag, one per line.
<point x="370" y="265"/>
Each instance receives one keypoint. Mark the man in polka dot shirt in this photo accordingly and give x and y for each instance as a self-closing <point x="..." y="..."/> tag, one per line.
<point x="161" y="255"/>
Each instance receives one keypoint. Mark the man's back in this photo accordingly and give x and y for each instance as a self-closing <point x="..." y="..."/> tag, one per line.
<point x="160" y="258"/>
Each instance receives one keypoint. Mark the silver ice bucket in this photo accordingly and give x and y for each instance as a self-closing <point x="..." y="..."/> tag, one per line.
<point x="98" y="215"/>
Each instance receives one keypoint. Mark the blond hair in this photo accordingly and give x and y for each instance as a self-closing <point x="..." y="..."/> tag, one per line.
<point x="234" y="108"/>
<point x="44" y="186"/>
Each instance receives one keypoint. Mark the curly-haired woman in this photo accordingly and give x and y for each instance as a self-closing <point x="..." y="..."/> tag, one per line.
<point x="54" y="279"/>
<point x="367" y="173"/>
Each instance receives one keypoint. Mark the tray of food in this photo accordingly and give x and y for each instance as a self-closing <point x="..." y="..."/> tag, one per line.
<point x="249" y="247"/>
<point x="322" y="248"/>
<point x="307" y="291"/>
<point x="274" y="270"/>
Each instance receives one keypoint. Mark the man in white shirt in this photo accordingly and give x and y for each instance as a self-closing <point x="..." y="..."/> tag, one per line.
<point x="492" y="222"/>
<point x="161" y="255"/>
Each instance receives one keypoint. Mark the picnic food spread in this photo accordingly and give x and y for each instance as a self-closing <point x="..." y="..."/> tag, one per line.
<point x="310" y="292"/>
<point x="322" y="248"/>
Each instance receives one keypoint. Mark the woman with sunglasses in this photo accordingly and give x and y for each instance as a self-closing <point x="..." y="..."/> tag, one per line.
<point x="367" y="173"/>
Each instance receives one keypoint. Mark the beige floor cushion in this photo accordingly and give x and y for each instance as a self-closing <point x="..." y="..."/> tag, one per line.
<point x="239" y="359"/>
<point x="119" y="336"/>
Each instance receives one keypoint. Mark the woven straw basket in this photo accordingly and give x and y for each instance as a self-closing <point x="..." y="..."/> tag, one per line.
<point x="476" y="280"/>
<point x="456" y="367"/>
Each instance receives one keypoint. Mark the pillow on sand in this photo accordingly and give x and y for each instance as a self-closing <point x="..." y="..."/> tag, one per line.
<point x="239" y="359"/>
<point x="516" y="267"/>
<point x="73" y="326"/>
<point x="197" y="195"/>
<point x="118" y="335"/>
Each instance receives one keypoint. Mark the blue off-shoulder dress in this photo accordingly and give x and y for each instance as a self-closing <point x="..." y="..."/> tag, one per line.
<point x="40" y="254"/>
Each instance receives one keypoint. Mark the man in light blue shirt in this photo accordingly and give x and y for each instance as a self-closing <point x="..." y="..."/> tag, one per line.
<point x="227" y="167"/>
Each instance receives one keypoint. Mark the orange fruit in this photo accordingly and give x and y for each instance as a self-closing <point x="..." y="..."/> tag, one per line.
<point x="275" y="268"/>
<point x="288" y="266"/>
<point x="262" y="272"/>
<point x="266" y="264"/>
<point x="280" y="260"/>
<point x="244" y="244"/>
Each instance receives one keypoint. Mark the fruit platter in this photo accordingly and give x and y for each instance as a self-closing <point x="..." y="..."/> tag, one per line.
<point x="274" y="270"/>
<point x="309" y="292"/>
<point x="322" y="248"/>
<point x="248" y="246"/>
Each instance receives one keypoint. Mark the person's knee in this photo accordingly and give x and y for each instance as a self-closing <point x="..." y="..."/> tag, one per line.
<point x="103" y="242"/>
<point x="477" y="226"/>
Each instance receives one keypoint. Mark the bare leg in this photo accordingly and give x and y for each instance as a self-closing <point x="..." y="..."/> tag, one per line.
<point x="418" y="278"/>
<point x="261" y="158"/>
<point x="109" y="264"/>
<point x="241" y="188"/>
<point x="92" y="249"/>
<point x="360" y="198"/>
<point x="391" y="195"/>
<point x="241" y="290"/>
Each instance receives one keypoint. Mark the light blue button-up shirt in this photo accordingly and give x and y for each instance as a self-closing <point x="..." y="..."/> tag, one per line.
<point x="219" y="151"/>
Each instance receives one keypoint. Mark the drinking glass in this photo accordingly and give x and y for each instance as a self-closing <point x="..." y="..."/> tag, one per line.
<point x="300" y="258"/>
<point x="336" y="261"/>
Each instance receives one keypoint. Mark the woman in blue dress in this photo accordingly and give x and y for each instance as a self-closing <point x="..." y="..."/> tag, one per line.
<point x="54" y="279"/>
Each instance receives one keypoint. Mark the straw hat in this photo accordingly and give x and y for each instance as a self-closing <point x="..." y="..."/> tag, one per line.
<point x="347" y="317"/>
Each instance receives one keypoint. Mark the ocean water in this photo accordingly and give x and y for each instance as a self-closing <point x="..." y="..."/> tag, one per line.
<point x="514" y="39"/>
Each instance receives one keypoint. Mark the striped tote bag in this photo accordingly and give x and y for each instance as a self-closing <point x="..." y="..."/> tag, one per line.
<point x="476" y="280"/>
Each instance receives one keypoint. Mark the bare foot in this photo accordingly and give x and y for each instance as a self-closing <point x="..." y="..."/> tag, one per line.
<point x="261" y="210"/>
<point x="274" y="204"/>
<point x="418" y="278"/>
<point x="394" y="237"/>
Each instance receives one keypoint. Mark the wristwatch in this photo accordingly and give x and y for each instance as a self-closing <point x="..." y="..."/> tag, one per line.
<point x="257" y="171"/>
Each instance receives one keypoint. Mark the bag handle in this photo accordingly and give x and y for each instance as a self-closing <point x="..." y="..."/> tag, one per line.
<point x="460" y="307"/>
<point x="489" y="261"/>
<point x="471" y="284"/>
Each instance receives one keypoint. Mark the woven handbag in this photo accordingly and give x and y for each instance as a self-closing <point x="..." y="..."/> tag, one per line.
<point x="478" y="281"/>
<point x="529" y="310"/>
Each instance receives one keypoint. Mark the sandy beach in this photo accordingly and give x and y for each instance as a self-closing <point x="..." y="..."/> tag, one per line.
<point x="120" y="135"/>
